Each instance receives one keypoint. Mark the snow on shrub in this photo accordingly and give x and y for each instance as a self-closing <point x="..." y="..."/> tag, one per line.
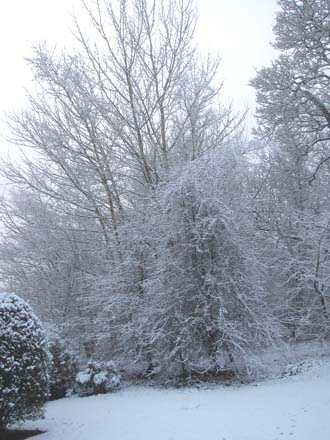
<point x="63" y="369"/>
<point x="298" y="368"/>
<point x="23" y="362"/>
<point x="97" y="378"/>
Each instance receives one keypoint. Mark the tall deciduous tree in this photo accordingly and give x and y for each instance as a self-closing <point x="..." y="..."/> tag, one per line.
<point x="131" y="218"/>
<point x="103" y="129"/>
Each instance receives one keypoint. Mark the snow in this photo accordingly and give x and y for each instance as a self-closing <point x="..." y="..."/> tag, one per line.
<point x="83" y="377"/>
<point x="296" y="407"/>
<point x="100" y="378"/>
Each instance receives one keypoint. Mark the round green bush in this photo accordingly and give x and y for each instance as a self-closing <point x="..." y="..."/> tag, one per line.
<point x="23" y="362"/>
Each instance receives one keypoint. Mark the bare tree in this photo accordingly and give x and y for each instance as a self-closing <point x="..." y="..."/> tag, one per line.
<point x="108" y="128"/>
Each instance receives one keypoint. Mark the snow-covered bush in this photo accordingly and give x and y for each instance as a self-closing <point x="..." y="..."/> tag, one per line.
<point x="97" y="378"/>
<point x="295" y="369"/>
<point x="63" y="370"/>
<point x="23" y="362"/>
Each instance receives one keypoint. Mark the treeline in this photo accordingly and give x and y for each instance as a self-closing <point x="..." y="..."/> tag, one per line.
<point x="142" y="224"/>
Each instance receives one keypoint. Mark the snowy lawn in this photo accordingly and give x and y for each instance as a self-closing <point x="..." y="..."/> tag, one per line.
<point x="292" y="408"/>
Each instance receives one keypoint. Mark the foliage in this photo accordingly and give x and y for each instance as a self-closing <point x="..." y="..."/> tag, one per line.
<point x="23" y="362"/>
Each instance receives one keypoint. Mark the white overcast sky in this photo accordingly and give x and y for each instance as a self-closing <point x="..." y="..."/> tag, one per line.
<point x="240" y="30"/>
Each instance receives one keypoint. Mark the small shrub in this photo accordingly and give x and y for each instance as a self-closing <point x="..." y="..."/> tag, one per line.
<point x="24" y="362"/>
<point x="97" y="378"/>
<point x="294" y="369"/>
<point x="63" y="370"/>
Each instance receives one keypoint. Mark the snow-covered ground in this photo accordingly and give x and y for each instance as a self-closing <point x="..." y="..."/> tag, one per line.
<point x="293" y="408"/>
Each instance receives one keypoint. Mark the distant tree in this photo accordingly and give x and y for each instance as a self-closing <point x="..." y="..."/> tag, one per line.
<point x="294" y="92"/>
<point x="51" y="260"/>
<point x="23" y="362"/>
<point x="292" y="219"/>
